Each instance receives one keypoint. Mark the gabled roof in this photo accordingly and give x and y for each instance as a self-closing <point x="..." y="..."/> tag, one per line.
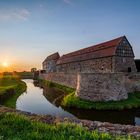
<point x="97" y="51"/>
<point x="53" y="56"/>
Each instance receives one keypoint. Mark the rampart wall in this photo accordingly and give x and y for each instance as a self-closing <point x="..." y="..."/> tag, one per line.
<point x="97" y="86"/>
<point x="68" y="79"/>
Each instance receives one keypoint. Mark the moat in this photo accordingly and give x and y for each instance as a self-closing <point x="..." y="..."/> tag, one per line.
<point x="35" y="101"/>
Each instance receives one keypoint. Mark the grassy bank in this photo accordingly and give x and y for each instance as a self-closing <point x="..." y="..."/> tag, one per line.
<point x="70" y="100"/>
<point x="11" y="87"/>
<point x="18" y="127"/>
<point x="133" y="101"/>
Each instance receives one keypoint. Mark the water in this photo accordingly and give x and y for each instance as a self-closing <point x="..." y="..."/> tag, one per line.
<point x="34" y="101"/>
<point x="41" y="101"/>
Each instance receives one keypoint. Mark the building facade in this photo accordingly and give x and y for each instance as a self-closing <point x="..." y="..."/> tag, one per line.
<point x="49" y="64"/>
<point x="112" y="56"/>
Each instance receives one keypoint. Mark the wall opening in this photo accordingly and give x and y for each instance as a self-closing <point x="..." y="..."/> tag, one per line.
<point x="129" y="69"/>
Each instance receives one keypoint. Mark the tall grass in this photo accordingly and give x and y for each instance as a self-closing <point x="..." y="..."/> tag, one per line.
<point x="17" y="127"/>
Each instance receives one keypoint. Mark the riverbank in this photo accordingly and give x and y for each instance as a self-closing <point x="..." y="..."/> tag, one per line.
<point x="70" y="100"/>
<point x="11" y="87"/>
<point x="22" y="125"/>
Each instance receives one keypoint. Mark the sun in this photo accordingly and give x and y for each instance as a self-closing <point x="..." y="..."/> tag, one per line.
<point x="5" y="64"/>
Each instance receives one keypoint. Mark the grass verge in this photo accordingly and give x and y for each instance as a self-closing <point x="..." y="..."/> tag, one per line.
<point x="11" y="87"/>
<point x="133" y="101"/>
<point x="18" y="127"/>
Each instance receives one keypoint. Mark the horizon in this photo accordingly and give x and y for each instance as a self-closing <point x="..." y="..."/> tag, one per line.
<point x="32" y="30"/>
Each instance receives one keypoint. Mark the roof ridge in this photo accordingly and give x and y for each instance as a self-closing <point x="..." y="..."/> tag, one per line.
<point x="97" y="45"/>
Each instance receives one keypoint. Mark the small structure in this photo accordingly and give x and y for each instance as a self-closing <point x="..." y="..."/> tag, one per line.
<point x="49" y="64"/>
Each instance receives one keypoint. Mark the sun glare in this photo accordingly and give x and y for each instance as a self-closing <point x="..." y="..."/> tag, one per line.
<point x="5" y="64"/>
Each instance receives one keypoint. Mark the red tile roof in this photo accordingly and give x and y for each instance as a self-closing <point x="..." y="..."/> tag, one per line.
<point x="97" y="51"/>
<point x="53" y="56"/>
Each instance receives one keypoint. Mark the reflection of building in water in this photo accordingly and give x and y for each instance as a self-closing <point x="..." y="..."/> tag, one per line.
<point x="107" y="116"/>
<point x="53" y="95"/>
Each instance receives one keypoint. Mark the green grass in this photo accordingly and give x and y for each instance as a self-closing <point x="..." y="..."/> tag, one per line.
<point x="11" y="87"/>
<point x="133" y="101"/>
<point x="18" y="127"/>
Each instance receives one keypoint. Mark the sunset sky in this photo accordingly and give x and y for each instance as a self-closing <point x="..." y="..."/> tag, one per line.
<point x="32" y="29"/>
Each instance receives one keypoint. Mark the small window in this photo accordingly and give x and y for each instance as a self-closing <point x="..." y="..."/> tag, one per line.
<point x="129" y="69"/>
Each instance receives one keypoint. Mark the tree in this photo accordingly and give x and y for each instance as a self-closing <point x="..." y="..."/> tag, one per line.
<point x="33" y="69"/>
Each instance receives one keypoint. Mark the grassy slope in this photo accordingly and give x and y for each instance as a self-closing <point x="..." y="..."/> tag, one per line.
<point x="17" y="127"/>
<point x="133" y="101"/>
<point x="70" y="100"/>
<point x="11" y="83"/>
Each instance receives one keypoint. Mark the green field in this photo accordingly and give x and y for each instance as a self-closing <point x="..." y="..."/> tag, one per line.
<point x="10" y="89"/>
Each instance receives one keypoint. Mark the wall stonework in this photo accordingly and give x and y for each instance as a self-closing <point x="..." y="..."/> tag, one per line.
<point x="67" y="79"/>
<point x="101" y="87"/>
<point x="88" y="66"/>
<point x="122" y="64"/>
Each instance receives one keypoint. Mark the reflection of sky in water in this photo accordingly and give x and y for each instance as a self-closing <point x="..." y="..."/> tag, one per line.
<point x="137" y="121"/>
<point x="34" y="101"/>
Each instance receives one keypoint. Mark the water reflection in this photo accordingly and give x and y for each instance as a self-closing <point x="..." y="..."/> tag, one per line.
<point x="46" y="101"/>
<point x="121" y="117"/>
<point x="34" y="101"/>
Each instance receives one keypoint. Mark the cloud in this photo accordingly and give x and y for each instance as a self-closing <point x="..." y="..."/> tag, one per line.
<point x="68" y="1"/>
<point x="20" y="15"/>
<point x="41" y="6"/>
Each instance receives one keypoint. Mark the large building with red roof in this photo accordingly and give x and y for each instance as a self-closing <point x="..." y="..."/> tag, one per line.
<point x="112" y="56"/>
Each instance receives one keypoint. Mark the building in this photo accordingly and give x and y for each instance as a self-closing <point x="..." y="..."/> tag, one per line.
<point x="49" y="64"/>
<point x="98" y="73"/>
<point x="112" y="56"/>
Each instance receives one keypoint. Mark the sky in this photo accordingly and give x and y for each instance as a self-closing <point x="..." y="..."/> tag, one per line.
<point x="30" y="30"/>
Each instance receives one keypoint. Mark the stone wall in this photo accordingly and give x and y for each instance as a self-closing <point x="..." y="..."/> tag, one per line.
<point x="121" y="64"/>
<point x="101" y="87"/>
<point x="97" y="86"/>
<point x="88" y="66"/>
<point x="68" y="79"/>
<point x="132" y="82"/>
